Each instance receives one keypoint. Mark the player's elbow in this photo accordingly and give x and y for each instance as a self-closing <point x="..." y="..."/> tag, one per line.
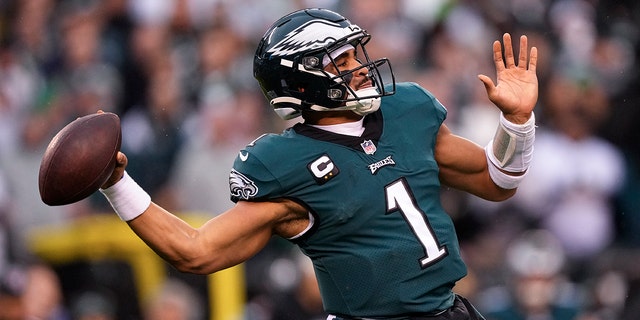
<point x="196" y="263"/>
<point x="499" y="194"/>
<point x="193" y="266"/>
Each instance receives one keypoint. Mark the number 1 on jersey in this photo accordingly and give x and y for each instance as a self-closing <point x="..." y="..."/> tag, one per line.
<point x="399" y="197"/>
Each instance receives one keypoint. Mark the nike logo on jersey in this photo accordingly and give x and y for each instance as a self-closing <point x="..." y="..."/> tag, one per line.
<point x="243" y="156"/>
<point x="323" y="169"/>
<point x="382" y="163"/>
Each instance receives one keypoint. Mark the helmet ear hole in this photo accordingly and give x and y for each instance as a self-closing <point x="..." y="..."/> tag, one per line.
<point x="335" y="94"/>
<point x="311" y="62"/>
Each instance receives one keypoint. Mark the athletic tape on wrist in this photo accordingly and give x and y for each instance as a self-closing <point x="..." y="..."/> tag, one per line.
<point x="127" y="198"/>
<point x="512" y="146"/>
<point x="510" y="150"/>
<point x="502" y="179"/>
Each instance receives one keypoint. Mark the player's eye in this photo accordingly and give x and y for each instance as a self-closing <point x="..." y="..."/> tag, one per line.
<point x="342" y="62"/>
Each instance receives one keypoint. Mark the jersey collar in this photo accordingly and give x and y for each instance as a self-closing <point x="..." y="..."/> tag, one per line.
<point x="372" y="131"/>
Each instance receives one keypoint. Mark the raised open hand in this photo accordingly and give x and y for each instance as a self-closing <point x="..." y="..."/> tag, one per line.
<point x="516" y="92"/>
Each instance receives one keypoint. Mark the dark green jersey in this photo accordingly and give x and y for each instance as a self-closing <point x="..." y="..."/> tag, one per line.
<point x="380" y="242"/>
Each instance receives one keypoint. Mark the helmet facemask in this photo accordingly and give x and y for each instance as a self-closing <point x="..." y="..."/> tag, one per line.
<point x="339" y="91"/>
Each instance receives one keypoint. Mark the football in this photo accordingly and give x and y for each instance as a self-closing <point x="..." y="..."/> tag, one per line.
<point x="79" y="159"/>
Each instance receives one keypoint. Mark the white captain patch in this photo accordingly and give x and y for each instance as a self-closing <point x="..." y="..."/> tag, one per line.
<point x="323" y="169"/>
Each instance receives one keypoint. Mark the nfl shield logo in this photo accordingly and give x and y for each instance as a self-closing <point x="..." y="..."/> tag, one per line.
<point x="368" y="147"/>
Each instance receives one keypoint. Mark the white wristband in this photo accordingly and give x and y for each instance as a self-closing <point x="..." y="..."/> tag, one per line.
<point x="511" y="150"/>
<point x="501" y="179"/>
<point x="512" y="146"/>
<point x="127" y="198"/>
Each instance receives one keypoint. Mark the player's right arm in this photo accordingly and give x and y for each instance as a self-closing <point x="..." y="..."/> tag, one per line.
<point x="224" y="241"/>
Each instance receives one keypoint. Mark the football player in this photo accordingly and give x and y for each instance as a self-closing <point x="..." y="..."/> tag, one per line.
<point x="356" y="185"/>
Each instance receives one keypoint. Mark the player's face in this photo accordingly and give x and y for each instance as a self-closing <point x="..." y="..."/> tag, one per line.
<point x="348" y="60"/>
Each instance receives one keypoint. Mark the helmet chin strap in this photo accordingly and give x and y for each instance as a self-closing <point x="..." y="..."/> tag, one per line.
<point x="365" y="105"/>
<point x="362" y="106"/>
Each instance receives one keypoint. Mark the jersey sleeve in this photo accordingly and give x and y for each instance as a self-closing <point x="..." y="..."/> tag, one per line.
<point x="413" y="103"/>
<point x="250" y="179"/>
<point x="432" y="103"/>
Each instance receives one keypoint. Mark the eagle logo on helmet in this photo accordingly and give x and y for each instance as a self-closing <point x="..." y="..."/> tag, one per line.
<point x="311" y="35"/>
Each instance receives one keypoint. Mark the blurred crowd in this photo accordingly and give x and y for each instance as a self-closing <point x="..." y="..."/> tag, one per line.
<point x="179" y="74"/>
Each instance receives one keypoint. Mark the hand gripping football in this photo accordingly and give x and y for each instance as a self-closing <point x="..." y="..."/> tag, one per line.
<point x="79" y="159"/>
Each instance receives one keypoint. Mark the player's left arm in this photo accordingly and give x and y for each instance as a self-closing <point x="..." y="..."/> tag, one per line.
<point x="494" y="172"/>
<point x="463" y="166"/>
